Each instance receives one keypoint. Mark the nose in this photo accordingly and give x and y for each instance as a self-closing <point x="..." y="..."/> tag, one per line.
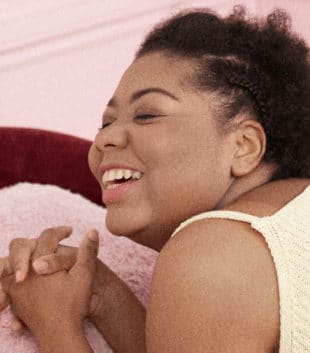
<point x="112" y="136"/>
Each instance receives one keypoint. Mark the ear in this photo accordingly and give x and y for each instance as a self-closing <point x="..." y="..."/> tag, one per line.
<point x="250" y="147"/>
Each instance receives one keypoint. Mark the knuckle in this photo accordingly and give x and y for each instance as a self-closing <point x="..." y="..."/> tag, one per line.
<point x="16" y="263"/>
<point x="69" y="253"/>
<point x="82" y="262"/>
<point x="17" y="243"/>
<point x="85" y="266"/>
<point x="68" y="261"/>
<point x="53" y="263"/>
<point x="91" y="249"/>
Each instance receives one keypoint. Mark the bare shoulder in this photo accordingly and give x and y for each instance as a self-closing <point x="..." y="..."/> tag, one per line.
<point x="214" y="289"/>
<point x="269" y="198"/>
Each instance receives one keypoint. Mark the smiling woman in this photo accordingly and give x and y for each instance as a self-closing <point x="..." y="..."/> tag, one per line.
<point x="155" y="148"/>
<point x="202" y="156"/>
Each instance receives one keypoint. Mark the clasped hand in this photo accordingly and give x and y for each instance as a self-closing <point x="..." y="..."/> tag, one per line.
<point x="63" y="297"/>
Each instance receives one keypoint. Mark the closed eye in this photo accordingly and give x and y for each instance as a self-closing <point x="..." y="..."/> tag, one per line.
<point x="140" y="117"/>
<point x="103" y="125"/>
<point x="146" y="116"/>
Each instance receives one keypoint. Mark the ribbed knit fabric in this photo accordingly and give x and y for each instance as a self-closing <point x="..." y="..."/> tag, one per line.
<point x="287" y="233"/>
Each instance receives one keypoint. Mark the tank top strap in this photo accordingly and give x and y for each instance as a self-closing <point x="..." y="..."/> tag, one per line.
<point x="233" y="215"/>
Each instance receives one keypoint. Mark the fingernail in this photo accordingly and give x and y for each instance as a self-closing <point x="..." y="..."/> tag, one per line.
<point x="40" y="266"/>
<point x="93" y="236"/>
<point x="19" y="276"/>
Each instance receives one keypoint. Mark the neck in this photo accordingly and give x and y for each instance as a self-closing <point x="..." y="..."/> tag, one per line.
<point x="241" y="185"/>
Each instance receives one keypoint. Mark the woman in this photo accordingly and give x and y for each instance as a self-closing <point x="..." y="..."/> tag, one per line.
<point x="213" y="114"/>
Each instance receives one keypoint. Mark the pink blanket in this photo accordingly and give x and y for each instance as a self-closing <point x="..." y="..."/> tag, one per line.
<point x="27" y="209"/>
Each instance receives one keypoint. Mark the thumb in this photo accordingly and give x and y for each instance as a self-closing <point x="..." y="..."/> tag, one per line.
<point x="87" y="254"/>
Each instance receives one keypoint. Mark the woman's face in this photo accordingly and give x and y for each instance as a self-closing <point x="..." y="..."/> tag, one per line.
<point x="159" y="125"/>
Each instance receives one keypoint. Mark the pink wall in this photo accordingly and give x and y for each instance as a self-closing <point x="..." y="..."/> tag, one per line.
<point x="60" y="61"/>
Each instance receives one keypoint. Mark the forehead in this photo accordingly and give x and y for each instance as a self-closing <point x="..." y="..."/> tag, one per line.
<point x="157" y="70"/>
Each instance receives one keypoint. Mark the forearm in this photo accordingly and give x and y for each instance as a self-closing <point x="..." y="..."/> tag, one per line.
<point x="64" y="339"/>
<point x="122" y="321"/>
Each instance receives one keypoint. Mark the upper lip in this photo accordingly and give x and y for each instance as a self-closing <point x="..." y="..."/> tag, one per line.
<point x="104" y="167"/>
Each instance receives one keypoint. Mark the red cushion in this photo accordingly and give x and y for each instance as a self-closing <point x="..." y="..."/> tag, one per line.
<point x="46" y="157"/>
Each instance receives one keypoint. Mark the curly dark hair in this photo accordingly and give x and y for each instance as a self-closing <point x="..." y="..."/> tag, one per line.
<point x="258" y="65"/>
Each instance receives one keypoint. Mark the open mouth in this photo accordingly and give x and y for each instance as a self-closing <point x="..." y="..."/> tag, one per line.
<point x="114" y="178"/>
<point x="117" y="183"/>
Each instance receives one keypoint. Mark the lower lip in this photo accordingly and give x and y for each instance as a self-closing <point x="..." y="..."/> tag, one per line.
<point x="118" y="193"/>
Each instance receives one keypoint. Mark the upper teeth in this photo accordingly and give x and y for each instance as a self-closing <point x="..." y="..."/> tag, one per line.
<point x="112" y="174"/>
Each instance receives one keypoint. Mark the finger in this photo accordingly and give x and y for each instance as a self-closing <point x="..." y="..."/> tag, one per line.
<point x="5" y="267"/>
<point x="67" y="250"/>
<point x="4" y="299"/>
<point x="64" y="264"/>
<point x="6" y="283"/>
<point x="87" y="254"/>
<point x="20" y="254"/>
<point x="49" y="239"/>
<point x="17" y="325"/>
<point x="52" y="263"/>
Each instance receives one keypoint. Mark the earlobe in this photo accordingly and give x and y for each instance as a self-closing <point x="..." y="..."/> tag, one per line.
<point x="250" y="147"/>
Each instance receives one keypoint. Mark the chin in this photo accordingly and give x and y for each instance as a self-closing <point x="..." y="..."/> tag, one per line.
<point x="143" y="235"/>
<point x="125" y="223"/>
<point x="139" y="224"/>
<point x="135" y="210"/>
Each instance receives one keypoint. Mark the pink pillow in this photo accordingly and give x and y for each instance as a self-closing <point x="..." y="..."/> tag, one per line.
<point x="26" y="209"/>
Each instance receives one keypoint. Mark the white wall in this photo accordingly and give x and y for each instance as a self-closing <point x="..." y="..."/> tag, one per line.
<point x="60" y="60"/>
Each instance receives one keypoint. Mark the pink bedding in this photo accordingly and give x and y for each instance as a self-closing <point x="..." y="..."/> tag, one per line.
<point x="26" y="209"/>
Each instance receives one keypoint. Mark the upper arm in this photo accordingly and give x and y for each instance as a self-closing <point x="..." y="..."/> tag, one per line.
<point x="214" y="289"/>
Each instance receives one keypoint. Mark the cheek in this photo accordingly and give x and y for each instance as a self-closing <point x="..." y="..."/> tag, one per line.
<point x="94" y="159"/>
<point x="168" y="178"/>
<point x="186" y="179"/>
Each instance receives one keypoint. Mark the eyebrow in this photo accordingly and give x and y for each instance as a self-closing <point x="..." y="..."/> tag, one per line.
<point x="112" y="103"/>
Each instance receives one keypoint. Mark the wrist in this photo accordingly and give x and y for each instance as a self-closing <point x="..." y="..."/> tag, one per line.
<point x="66" y="337"/>
<point x="121" y="321"/>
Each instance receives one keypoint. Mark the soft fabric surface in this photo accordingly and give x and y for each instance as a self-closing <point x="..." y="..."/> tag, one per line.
<point x="46" y="157"/>
<point x="27" y="209"/>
